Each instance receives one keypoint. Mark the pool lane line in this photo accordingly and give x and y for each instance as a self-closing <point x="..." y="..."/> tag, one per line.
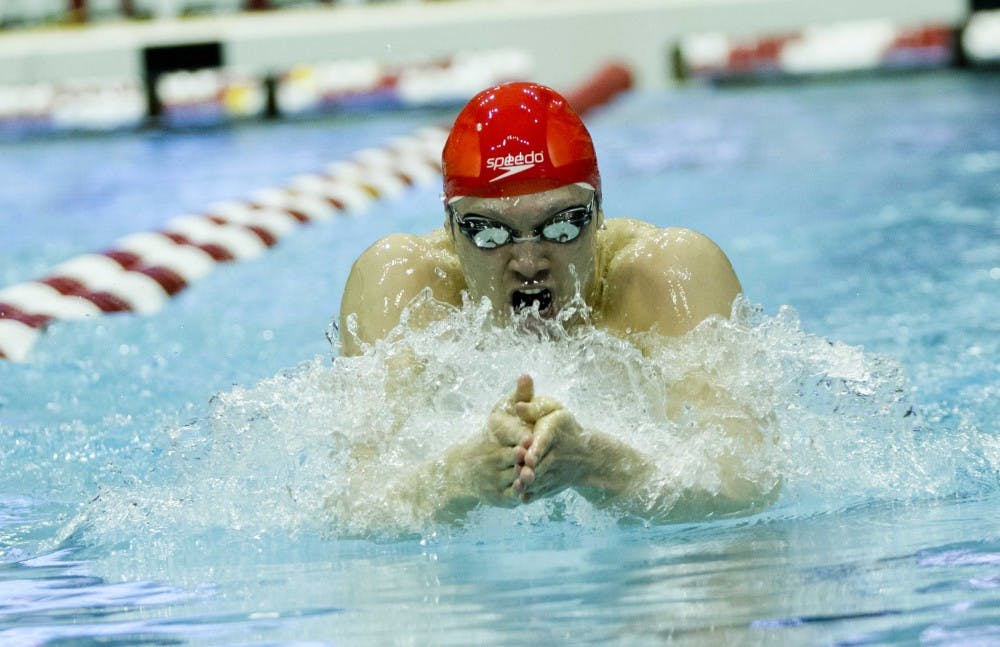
<point x="144" y="270"/>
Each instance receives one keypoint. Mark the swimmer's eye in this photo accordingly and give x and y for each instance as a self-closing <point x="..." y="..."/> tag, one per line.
<point x="484" y="232"/>
<point x="564" y="227"/>
<point x="567" y="225"/>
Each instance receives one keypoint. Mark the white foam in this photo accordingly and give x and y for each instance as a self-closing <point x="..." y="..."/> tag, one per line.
<point x="324" y="448"/>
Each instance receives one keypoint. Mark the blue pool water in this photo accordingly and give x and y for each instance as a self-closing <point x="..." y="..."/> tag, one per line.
<point x="179" y="478"/>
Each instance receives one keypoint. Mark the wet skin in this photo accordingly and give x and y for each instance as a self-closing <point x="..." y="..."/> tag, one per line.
<point x="634" y="277"/>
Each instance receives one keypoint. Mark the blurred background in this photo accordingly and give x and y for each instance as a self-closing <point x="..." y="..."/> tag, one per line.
<point x="95" y="65"/>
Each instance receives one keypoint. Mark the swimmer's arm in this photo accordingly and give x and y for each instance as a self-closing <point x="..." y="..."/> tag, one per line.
<point x="620" y="478"/>
<point x="743" y="442"/>
<point x="611" y="474"/>
<point x="667" y="281"/>
<point x="446" y="490"/>
<point x="385" y="279"/>
<point x="468" y="475"/>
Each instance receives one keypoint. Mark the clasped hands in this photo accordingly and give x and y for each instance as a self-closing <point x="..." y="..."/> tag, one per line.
<point x="537" y="443"/>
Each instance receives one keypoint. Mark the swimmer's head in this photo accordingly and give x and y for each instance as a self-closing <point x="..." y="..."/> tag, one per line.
<point x="515" y="139"/>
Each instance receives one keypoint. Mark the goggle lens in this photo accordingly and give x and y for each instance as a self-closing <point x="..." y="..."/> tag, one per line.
<point x="564" y="227"/>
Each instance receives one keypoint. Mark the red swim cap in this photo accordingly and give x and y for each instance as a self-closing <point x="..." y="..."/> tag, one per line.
<point x="514" y="139"/>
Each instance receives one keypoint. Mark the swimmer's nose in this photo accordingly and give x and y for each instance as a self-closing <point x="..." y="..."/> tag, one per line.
<point x="528" y="262"/>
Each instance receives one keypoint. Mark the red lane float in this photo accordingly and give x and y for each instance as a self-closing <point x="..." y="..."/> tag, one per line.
<point x="818" y="49"/>
<point x="144" y="270"/>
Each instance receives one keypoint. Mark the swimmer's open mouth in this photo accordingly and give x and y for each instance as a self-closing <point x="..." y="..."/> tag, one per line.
<point x="523" y="299"/>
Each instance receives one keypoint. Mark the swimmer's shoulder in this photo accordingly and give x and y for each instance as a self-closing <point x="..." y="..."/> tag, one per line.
<point x="388" y="276"/>
<point x="627" y="240"/>
<point x="410" y="258"/>
<point x="404" y="264"/>
<point x="619" y="233"/>
<point x="403" y="247"/>
<point x="667" y="279"/>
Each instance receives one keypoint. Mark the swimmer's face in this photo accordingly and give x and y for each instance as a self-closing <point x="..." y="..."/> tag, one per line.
<point x="517" y="273"/>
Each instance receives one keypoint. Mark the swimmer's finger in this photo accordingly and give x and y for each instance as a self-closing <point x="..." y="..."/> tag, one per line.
<point x="544" y="439"/>
<point x="539" y="449"/>
<point x="524" y="479"/>
<point x="525" y="390"/>
<point x="533" y="411"/>
<point x="505" y="479"/>
<point x="509" y="431"/>
<point x="508" y="459"/>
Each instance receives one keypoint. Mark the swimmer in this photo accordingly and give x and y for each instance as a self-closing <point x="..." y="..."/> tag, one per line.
<point x="524" y="227"/>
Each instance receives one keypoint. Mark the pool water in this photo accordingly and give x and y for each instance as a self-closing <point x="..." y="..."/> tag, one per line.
<point x="181" y="478"/>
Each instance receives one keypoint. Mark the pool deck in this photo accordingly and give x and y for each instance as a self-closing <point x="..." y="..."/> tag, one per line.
<point x="564" y="39"/>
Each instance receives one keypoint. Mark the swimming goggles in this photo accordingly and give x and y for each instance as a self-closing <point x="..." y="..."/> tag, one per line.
<point x="564" y="227"/>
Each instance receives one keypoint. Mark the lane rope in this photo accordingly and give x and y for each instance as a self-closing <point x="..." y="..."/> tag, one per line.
<point x="141" y="272"/>
<point x="850" y="46"/>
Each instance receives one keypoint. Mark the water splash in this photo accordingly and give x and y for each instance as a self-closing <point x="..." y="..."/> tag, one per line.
<point x="321" y="449"/>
